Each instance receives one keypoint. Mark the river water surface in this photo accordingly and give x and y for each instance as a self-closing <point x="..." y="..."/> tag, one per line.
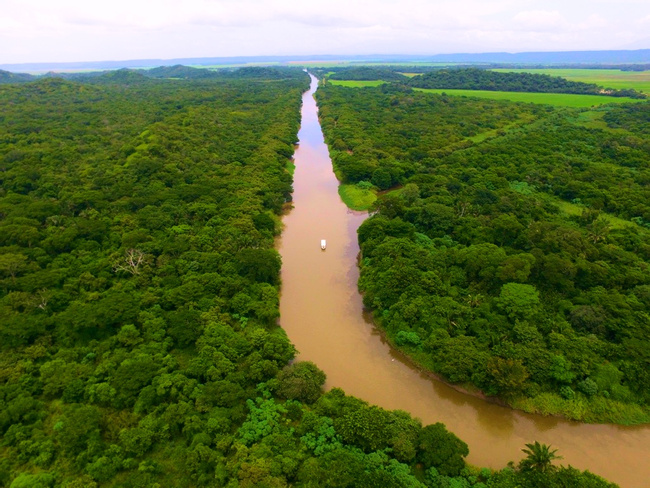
<point x="322" y="313"/>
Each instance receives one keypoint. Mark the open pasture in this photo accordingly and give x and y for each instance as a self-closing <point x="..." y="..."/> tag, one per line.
<point x="608" y="78"/>
<point x="356" y="83"/>
<point x="557" y="99"/>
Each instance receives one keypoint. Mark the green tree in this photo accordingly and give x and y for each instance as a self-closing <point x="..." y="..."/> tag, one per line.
<point x="262" y="265"/>
<point x="301" y="381"/>
<point x="79" y="430"/>
<point x="381" y="178"/>
<point x="509" y="375"/>
<point x="539" y="457"/>
<point x="516" y="268"/>
<point x="519" y="300"/>
<point x="439" y="448"/>
<point x="12" y="263"/>
<point x="41" y="480"/>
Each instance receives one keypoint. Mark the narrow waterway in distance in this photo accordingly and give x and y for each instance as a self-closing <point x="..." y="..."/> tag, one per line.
<point x="322" y="313"/>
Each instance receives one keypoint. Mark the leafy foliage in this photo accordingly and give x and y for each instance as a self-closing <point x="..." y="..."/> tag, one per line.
<point x="301" y="381"/>
<point x="538" y="457"/>
<point x="514" y="263"/>
<point x="634" y="118"/>
<point x="138" y="277"/>
<point x="139" y="296"/>
<point x="411" y="130"/>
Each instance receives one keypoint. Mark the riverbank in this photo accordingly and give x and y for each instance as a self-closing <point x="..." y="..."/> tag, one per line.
<point x="479" y="275"/>
<point x="597" y="411"/>
<point x="581" y="409"/>
<point x="356" y="197"/>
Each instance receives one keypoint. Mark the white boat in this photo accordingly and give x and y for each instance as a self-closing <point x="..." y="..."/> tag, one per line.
<point x="323" y="244"/>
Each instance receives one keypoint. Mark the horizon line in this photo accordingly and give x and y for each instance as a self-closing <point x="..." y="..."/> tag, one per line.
<point x="308" y="57"/>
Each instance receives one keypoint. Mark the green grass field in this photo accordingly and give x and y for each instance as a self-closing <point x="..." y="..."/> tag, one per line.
<point x="481" y="136"/>
<point x="594" y="119"/>
<point x="357" y="198"/>
<point x="290" y="167"/>
<point x="356" y="83"/>
<point x="574" y="209"/>
<point x="608" y="78"/>
<point x="558" y="99"/>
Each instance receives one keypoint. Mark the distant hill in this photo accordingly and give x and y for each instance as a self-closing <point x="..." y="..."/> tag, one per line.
<point x="560" y="57"/>
<point x="152" y="63"/>
<point x="8" y="77"/>
<point x="121" y="76"/>
<point x="267" y="73"/>
<point x="180" y="72"/>
<point x="127" y="76"/>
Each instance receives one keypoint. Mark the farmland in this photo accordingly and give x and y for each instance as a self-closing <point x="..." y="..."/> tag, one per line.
<point x="608" y="78"/>
<point x="557" y="99"/>
<point x="356" y="83"/>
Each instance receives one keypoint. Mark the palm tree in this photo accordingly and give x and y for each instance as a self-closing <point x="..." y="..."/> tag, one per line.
<point x="598" y="230"/>
<point x="538" y="458"/>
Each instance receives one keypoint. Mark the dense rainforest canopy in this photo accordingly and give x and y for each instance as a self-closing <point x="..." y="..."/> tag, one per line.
<point x="515" y="256"/>
<point x="139" y="300"/>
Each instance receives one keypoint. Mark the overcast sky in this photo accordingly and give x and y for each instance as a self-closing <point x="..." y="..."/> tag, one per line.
<point x="97" y="30"/>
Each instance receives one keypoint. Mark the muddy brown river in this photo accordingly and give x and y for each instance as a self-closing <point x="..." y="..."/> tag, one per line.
<point x="322" y="312"/>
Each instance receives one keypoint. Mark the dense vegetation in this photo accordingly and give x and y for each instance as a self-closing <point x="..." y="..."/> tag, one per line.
<point x="388" y="134"/>
<point x="139" y="299"/>
<point x="517" y="263"/>
<point x="481" y="79"/>
<point x="634" y="119"/>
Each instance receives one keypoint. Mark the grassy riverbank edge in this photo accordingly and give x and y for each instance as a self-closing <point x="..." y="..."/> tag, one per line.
<point x="356" y="198"/>
<point x="595" y="410"/>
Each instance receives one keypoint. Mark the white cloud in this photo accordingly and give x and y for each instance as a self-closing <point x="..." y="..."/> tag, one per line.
<point x="540" y="21"/>
<point x="46" y="30"/>
<point x="594" y="21"/>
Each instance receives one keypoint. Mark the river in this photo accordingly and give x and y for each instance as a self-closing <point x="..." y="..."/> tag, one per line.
<point x="322" y="313"/>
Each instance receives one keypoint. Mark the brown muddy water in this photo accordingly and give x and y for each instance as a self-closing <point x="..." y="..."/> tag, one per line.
<point x="322" y="313"/>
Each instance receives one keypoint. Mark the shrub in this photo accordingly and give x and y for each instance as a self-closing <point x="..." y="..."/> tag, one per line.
<point x="409" y="338"/>
<point x="365" y="185"/>
<point x="301" y="381"/>
<point x="588" y="387"/>
<point x="567" y="392"/>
